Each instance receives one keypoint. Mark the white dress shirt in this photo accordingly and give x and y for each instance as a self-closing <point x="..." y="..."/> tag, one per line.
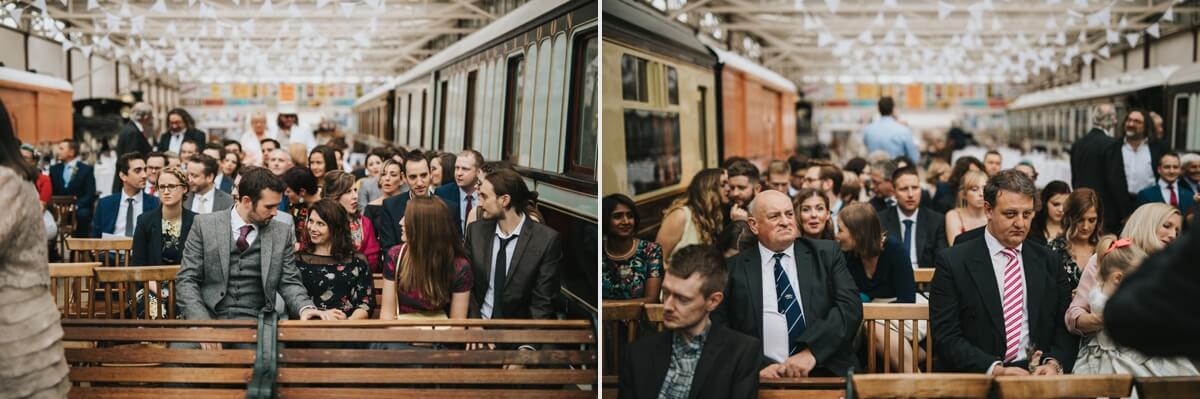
<point x="999" y="261"/>
<point x="488" y="298"/>
<point x="203" y="203"/>
<point x="1166" y="193"/>
<point x="912" y="249"/>
<point x="775" y="327"/>
<point x="236" y="222"/>
<point x="1139" y="172"/>
<point x="176" y="141"/>
<point x="120" y="227"/>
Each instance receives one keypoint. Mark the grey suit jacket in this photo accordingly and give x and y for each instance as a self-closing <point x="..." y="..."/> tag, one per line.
<point x="204" y="273"/>
<point x="221" y="201"/>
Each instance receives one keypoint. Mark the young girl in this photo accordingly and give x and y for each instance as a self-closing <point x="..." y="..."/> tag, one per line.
<point x="1099" y="354"/>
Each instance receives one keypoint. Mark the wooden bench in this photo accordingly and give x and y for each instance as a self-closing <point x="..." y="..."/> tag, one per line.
<point x="930" y="385"/>
<point x="895" y="322"/>
<point x="123" y="283"/>
<point x="1168" y="387"/>
<point x="1064" y="386"/>
<point x="621" y="320"/>
<point x="108" y="251"/>
<point x="781" y="388"/>
<point x="129" y="358"/>
<point x="318" y="359"/>
<point x="70" y="284"/>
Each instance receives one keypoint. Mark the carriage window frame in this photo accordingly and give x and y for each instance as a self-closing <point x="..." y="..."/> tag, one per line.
<point x="579" y="64"/>
<point x="638" y="88"/>
<point x="469" y="111"/>
<point x="514" y="85"/>
<point x="671" y="80"/>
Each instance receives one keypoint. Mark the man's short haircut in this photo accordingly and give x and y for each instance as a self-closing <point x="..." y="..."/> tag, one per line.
<point x="384" y="153"/>
<point x="210" y="163"/>
<point x="830" y="172"/>
<point x="992" y="152"/>
<point x="474" y="155"/>
<point x="255" y="179"/>
<point x="886" y="106"/>
<point x="298" y="178"/>
<point x="141" y="111"/>
<point x="743" y="168"/>
<point x="1188" y="158"/>
<point x="73" y="145"/>
<point x="706" y="261"/>
<point x="509" y="182"/>
<point x="885" y="167"/>
<point x="232" y="142"/>
<point x="1009" y="180"/>
<point x="856" y="165"/>
<point x="192" y="142"/>
<point x="124" y="160"/>
<point x="797" y="162"/>
<point x="156" y="155"/>
<point x="777" y="167"/>
<point x="732" y="160"/>
<point x="412" y="156"/>
<point x="907" y="170"/>
<point x="1170" y="154"/>
<point x="265" y="141"/>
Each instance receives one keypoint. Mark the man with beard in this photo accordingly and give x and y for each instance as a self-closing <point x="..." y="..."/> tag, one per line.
<point x="743" y="186"/>
<point x="417" y="175"/>
<point x="1131" y="166"/>
<point x="180" y="127"/>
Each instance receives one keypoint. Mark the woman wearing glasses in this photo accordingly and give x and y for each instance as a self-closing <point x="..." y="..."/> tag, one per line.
<point x="160" y="234"/>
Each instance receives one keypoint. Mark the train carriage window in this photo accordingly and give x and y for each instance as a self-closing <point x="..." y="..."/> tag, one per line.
<point x="652" y="150"/>
<point x="468" y="133"/>
<point x="634" y="82"/>
<point x="442" y="119"/>
<point x="513" y="97"/>
<point x="1181" y="121"/>
<point x="703" y="125"/>
<point x="422" y="128"/>
<point x="672" y="86"/>
<point x="581" y="143"/>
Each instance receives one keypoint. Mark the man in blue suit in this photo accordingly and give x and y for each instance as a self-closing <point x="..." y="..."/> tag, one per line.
<point x="416" y="174"/>
<point x="118" y="213"/>
<point x="73" y="177"/>
<point x="461" y="196"/>
<point x="1167" y="188"/>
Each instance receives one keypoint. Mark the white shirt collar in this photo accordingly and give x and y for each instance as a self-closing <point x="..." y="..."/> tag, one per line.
<point x="463" y="194"/>
<point x="515" y="231"/>
<point x="236" y="221"/>
<point x="139" y="126"/>
<point x="208" y="197"/>
<point x="1163" y="184"/>
<point x="994" y="245"/>
<point x="912" y="218"/>
<point x="137" y="198"/>
<point x="766" y="254"/>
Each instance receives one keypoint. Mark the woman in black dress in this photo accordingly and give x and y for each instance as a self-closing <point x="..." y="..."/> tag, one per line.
<point x="336" y="275"/>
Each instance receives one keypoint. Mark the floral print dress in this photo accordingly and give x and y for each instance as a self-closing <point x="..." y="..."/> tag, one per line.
<point x="345" y="285"/>
<point x="626" y="278"/>
<point x="1072" y="269"/>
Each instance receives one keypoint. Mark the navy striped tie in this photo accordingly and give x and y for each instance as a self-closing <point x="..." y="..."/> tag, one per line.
<point x="789" y="306"/>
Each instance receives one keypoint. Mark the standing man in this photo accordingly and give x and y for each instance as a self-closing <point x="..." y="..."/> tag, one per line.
<point x="117" y="213"/>
<point x="1087" y="154"/>
<point x="996" y="305"/>
<point x="135" y="135"/>
<point x="518" y="258"/>
<point x="73" y="177"/>
<point x="461" y="196"/>
<point x="237" y="264"/>
<point x="204" y="197"/>
<point x="1167" y="188"/>
<point x="416" y="173"/>
<point x="694" y="358"/>
<point x="794" y="294"/>
<point x="1130" y="166"/>
<point x="889" y="136"/>
<point x="180" y="127"/>
<point x="922" y="230"/>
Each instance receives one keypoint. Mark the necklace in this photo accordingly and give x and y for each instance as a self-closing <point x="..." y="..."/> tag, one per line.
<point x="627" y="255"/>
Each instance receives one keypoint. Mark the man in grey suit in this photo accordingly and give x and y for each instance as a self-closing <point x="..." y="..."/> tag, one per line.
<point x="522" y="274"/>
<point x="237" y="263"/>
<point x="202" y="175"/>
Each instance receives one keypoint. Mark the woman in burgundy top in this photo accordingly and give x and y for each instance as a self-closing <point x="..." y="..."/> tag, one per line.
<point x="429" y="275"/>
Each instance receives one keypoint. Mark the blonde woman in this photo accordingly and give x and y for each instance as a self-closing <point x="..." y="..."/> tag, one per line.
<point x="969" y="213"/>
<point x="697" y="217"/>
<point x="1151" y="227"/>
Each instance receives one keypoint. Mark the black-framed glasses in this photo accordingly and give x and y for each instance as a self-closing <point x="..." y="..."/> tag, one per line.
<point x="171" y="187"/>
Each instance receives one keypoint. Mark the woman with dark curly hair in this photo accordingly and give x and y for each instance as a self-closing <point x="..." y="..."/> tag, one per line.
<point x="336" y="275"/>
<point x="696" y="218"/>
<point x="633" y="267"/>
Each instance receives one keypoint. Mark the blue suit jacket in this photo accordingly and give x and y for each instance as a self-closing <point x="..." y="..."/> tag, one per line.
<point x="450" y="195"/>
<point x="82" y="186"/>
<point x="1154" y="194"/>
<point x="108" y="209"/>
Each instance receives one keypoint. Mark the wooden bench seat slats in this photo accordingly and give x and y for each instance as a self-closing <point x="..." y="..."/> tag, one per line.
<point x="922" y="385"/>
<point x="218" y="324"/>
<point x="443" y="336"/>
<point x="393" y="393"/>
<point x="139" y="392"/>
<point x="160" y="355"/>
<point x="198" y="375"/>
<point x="1168" y="387"/>
<point x="120" y="334"/>
<point x="1066" y="386"/>
<point x="457" y="376"/>
<point x="404" y="357"/>
<point x="492" y="324"/>
<point x="801" y="394"/>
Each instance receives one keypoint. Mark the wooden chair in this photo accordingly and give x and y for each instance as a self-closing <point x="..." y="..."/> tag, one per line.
<point x="934" y="385"/>
<point x="619" y="316"/>
<point x="108" y="251"/>
<point x="123" y="283"/>
<point x="63" y="208"/>
<point x="654" y="314"/>
<point x="70" y="284"/>
<point x="114" y="368"/>
<point x="1064" y="386"/>
<point x="892" y="321"/>
<point x="802" y="388"/>
<point x="1168" y="387"/>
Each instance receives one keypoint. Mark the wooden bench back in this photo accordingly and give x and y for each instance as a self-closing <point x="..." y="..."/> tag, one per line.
<point x="928" y="385"/>
<point x="123" y="284"/>
<point x="621" y="320"/>
<point x="70" y="284"/>
<point x="898" y="320"/>
<point x="331" y="359"/>
<point x="108" y="251"/>
<point x="802" y="388"/>
<point x="129" y="358"/>
<point x="1064" y="386"/>
<point x="1168" y="387"/>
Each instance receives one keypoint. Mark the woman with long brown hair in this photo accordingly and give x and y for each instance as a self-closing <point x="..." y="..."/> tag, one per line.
<point x="428" y="276"/>
<point x="339" y="186"/>
<point x="812" y="214"/>
<point x="969" y="214"/>
<point x="336" y="275"/>
<point x="1082" y="220"/>
<point x="696" y="218"/>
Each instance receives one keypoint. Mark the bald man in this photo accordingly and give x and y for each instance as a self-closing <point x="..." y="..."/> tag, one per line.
<point x="794" y="294"/>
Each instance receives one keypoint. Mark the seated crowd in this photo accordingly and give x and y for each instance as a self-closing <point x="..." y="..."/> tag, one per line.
<point x="1022" y="273"/>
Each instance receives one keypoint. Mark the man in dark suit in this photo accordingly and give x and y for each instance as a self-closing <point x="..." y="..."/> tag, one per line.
<point x="1130" y="165"/>
<point x="117" y="213"/>
<point x="134" y="136"/>
<point x="1168" y="188"/>
<point x="922" y="230"/>
<point x="881" y="171"/>
<point x="73" y="177"/>
<point x="514" y="280"/>
<point x="416" y="174"/>
<point x="1154" y="311"/>
<point x="997" y="305"/>
<point x="1087" y="154"/>
<point x="811" y="330"/>
<point x="461" y="196"/>
<point x="695" y="358"/>
<point x="180" y="127"/>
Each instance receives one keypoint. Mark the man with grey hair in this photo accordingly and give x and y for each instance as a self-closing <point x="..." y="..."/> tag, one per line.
<point x="1191" y="170"/>
<point x="135" y="135"/>
<point x="1087" y="154"/>
<point x="881" y="175"/>
<point x="251" y="140"/>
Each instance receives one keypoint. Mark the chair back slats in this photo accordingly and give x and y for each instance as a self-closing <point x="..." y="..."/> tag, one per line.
<point x="930" y="385"/>
<point x="70" y="285"/>
<point x="654" y="314"/>
<point x="621" y="319"/>
<point x="108" y="251"/>
<point x="901" y="328"/>
<point x="142" y="292"/>
<point x="1065" y="386"/>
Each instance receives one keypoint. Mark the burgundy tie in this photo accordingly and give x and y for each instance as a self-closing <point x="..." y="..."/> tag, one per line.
<point x="1174" y="198"/>
<point x="466" y="212"/>
<point x="242" y="244"/>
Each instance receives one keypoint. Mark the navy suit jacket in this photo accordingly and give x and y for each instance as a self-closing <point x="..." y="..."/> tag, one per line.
<point x="108" y="209"/>
<point x="387" y="227"/>
<point x="82" y="186"/>
<point x="1154" y="194"/>
<point x="450" y="195"/>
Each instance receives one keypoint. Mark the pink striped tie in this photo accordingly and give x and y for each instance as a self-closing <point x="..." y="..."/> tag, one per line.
<point x="1014" y="304"/>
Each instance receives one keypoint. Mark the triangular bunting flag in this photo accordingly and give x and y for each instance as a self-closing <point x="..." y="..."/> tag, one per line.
<point x="878" y="20"/>
<point x="1124" y="22"/>
<point x="87" y="51"/>
<point x="16" y="14"/>
<point x="1112" y="37"/>
<point x="92" y="4"/>
<point x="1060" y="39"/>
<point x="889" y="3"/>
<point x="901" y="23"/>
<point x="833" y="5"/>
<point x="1102" y="17"/>
<point x="159" y="7"/>
<point x="1104" y="52"/>
<point x="136" y="24"/>
<point x="1169" y="15"/>
<point x="293" y="11"/>
<point x="67" y="45"/>
<point x="944" y="9"/>
<point x="321" y="4"/>
<point x="1153" y="30"/>
<point x="1087" y="58"/>
<point x="1132" y="38"/>
<point x="125" y="10"/>
<point x="248" y="27"/>
<point x="824" y="39"/>
<point x="266" y="7"/>
<point x="347" y="9"/>
<point x="172" y="29"/>
<point x="866" y="37"/>
<point x="40" y="5"/>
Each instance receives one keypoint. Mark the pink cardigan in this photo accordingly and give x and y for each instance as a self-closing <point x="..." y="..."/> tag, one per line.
<point x="369" y="245"/>
<point x="1079" y="304"/>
